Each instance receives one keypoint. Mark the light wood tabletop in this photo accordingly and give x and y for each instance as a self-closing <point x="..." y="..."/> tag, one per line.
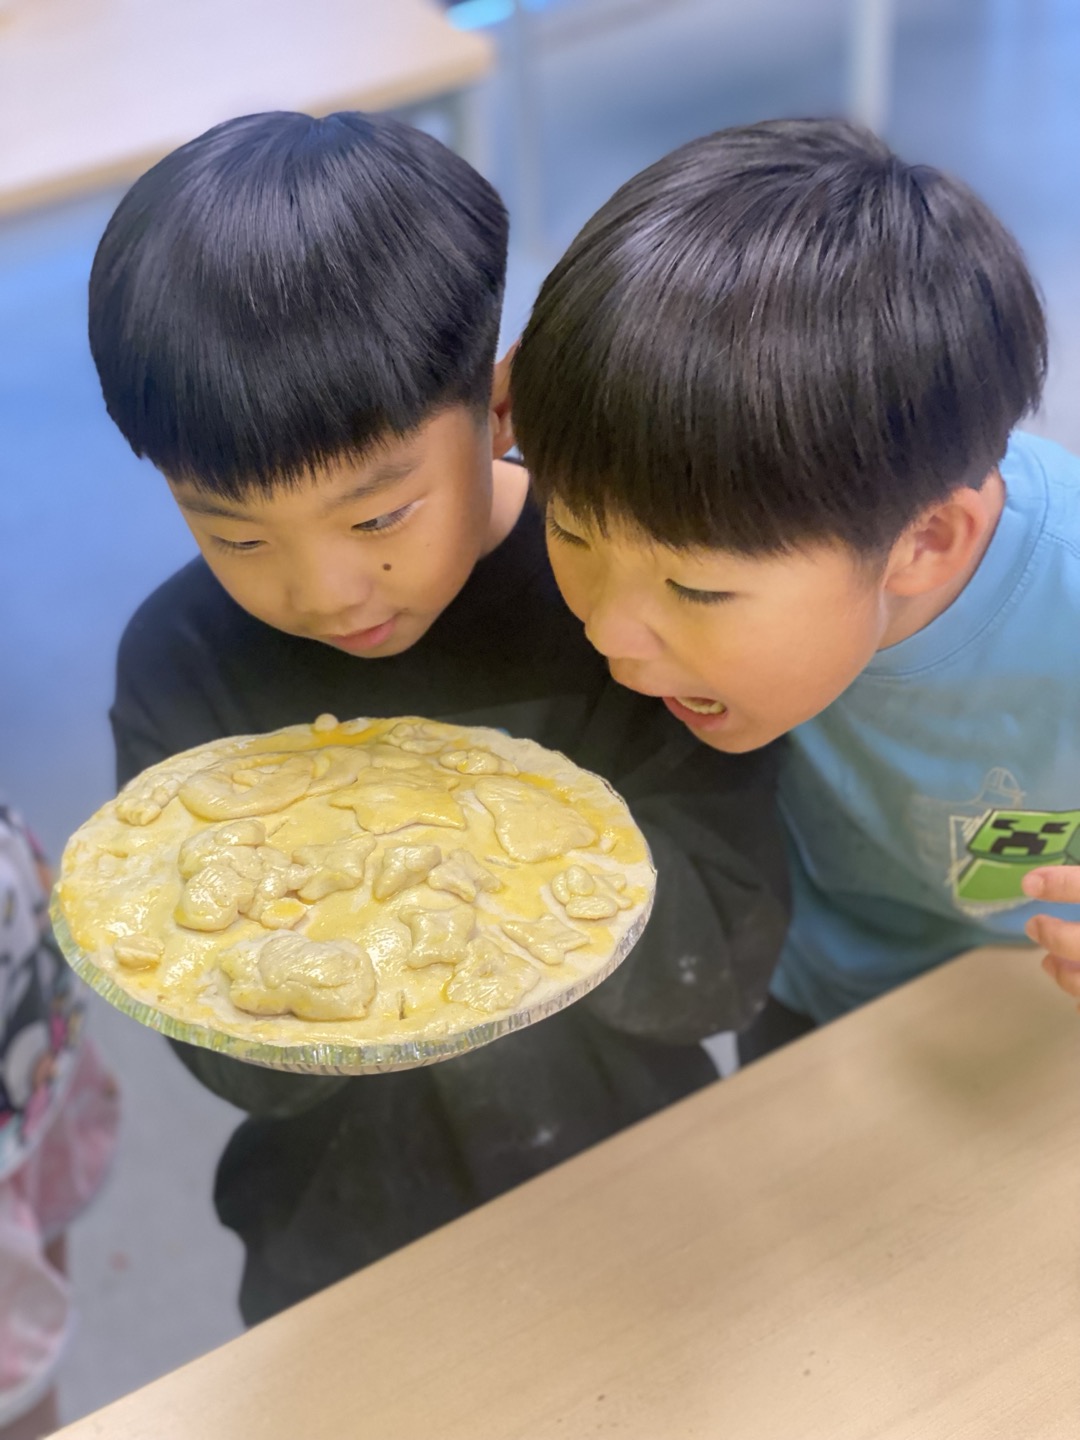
<point x="94" y="91"/>
<point x="872" y="1235"/>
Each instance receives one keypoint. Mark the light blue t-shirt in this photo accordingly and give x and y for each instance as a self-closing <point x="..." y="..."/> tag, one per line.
<point x="916" y="802"/>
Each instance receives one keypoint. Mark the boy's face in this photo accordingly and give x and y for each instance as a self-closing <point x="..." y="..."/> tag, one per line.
<point x="740" y="649"/>
<point x="367" y="554"/>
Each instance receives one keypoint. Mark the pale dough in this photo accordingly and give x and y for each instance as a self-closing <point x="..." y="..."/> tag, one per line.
<point x="377" y="880"/>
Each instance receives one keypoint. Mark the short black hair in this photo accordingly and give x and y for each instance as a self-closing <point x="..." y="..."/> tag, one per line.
<point x="285" y="291"/>
<point x="778" y="334"/>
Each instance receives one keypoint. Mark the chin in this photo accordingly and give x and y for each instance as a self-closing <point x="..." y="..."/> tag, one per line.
<point x="397" y="646"/>
<point x="405" y="636"/>
<point x="738" y="741"/>
<point x="735" y="744"/>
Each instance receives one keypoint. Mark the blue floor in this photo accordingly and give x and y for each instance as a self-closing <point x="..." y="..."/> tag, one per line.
<point x="987" y="88"/>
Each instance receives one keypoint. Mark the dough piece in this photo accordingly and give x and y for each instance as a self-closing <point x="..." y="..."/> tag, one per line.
<point x="586" y="895"/>
<point x="476" y="762"/>
<point x="278" y="876"/>
<point x="391" y="757"/>
<point x="339" y="866"/>
<point x="311" y="979"/>
<point x="247" y="785"/>
<point x="217" y="841"/>
<point x="530" y="824"/>
<point x="333" y="767"/>
<point x="388" y="941"/>
<point x="266" y="783"/>
<point x="547" y="939"/>
<point x="228" y="872"/>
<point x="491" y="980"/>
<point x="142" y="800"/>
<point x="416" y="737"/>
<point x="138" y="952"/>
<point x="439" y="936"/>
<point x="402" y="866"/>
<point x="280" y="914"/>
<point x="214" y="898"/>
<point x="463" y="875"/>
<point x="384" y="802"/>
<point x="107" y="867"/>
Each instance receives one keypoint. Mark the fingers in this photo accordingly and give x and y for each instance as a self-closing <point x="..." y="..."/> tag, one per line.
<point x="1060" y="937"/>
<point x="1059" y="884"/>
<point x="1064" y="973"/>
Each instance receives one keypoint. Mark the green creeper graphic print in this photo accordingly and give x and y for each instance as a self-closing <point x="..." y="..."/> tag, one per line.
<point x="1009" y="843"/>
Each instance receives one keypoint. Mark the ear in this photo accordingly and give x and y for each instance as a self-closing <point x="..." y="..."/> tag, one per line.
<point x="502" y="426"/>
<point x="944" y="543"/>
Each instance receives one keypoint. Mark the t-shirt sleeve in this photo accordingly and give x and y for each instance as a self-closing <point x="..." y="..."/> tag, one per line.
<point x="139" y="738"/>
<point x="712" y="942"/>
<point x="160" y="705"/>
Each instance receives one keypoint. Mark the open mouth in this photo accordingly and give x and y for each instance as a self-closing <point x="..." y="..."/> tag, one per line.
<point x="700" y="712"/>
<point x="701" y="706"/>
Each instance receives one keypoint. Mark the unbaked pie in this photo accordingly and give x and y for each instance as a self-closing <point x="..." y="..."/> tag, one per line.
<point x="355" y="895"/>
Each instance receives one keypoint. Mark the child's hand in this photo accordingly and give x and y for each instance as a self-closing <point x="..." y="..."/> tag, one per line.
<point x="1059" y="884"/>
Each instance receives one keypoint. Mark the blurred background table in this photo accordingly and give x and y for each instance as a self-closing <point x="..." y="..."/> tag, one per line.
<point x="94" y="91"/>
<point x="870" y="1235"/>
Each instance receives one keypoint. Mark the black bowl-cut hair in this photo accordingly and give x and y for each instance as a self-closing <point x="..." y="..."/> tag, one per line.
<point x="284" y="291"/>
<point x="778" y="334"/>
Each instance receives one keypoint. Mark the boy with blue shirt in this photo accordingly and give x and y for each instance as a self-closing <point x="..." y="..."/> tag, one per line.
<point x="782" y="494"/>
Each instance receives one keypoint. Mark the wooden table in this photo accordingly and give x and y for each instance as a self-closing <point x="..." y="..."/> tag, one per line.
<point x="94" y="91"/>
<point x="873" y="1235"/>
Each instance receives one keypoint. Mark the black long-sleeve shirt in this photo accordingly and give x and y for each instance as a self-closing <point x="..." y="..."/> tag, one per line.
<point x="334" y="1172"/>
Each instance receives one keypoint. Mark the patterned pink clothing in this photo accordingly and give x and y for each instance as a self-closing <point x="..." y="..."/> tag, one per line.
<point x="58" y="1122"/>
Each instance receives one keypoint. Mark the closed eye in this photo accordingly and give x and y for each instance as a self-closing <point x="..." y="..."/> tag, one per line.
<point x="382" y="523"/>
<point x="699" y="597"/>
<point x="236" y="547"/>
<point x="565" y="537"/>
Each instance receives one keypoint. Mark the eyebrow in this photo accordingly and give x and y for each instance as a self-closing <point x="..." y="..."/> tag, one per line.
<point x="382" y="477"/>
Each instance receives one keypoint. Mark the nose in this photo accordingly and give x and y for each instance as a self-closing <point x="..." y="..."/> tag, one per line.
<point x="616" y="625"/>
<point x="327" y="587"/>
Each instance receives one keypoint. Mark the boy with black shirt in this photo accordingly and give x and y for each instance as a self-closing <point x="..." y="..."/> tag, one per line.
<point x="296" y="321"/>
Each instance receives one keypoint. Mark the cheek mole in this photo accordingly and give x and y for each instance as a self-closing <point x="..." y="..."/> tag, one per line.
<point x="387" y="567"/>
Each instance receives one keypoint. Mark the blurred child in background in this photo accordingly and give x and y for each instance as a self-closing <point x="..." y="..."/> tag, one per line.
<point x="58" y="1120"/>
